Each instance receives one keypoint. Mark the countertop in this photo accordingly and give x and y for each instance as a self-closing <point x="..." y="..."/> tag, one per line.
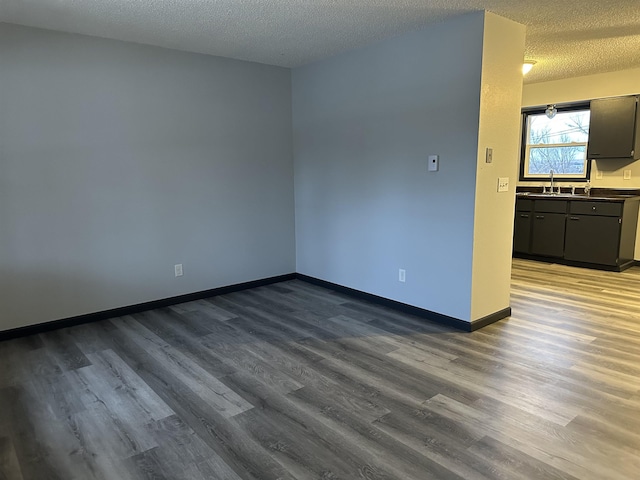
<point x="596" y="194"/>
<point x="599" y="197"/>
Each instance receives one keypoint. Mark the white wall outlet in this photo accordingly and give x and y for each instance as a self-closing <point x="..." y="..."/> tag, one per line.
<point x="489" y="156"/>
<point x="598" y="175"/>
<point x="402" y="275"/>
<point x="178" y="269"/>
<point x="626" y="174"/>
<point x="503" y="184"/>
<point x="434" y="161"/>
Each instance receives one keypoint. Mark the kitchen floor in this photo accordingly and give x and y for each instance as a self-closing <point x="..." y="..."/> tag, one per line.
<point x="292" y="381"/>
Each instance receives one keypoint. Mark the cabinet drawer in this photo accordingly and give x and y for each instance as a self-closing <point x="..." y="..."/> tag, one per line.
<point x="524" y="205"/>
<point x="596" y="208"/>
<point x="551" y="206"/>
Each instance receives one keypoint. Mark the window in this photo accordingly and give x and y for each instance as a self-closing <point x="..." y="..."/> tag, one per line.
<point x="558" y="144"/>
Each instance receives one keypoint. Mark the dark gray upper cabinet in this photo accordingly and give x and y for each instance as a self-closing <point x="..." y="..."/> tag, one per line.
<point x="614" y="130"/>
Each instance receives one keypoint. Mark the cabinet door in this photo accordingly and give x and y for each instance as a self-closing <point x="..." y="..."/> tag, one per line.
<point x="612" y="128"/>
<point x="548" y="234"/>
<point x="522" y="232"/>
<point x="592" y="239"/>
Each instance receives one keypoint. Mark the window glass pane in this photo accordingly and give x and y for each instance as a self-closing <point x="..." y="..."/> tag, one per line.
<point x="562" y="160"/>
<point x="565" y="127"/>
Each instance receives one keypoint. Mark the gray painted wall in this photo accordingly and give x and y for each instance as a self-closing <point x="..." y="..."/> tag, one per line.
<point x="118" y="161"/>
<point x="364" y="123"/>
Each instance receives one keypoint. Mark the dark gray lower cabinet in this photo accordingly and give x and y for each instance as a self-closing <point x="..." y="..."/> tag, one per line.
<point x="522" y="232"/>
<point x="592" y="232"/>
<point x="547" y="237"/>
<point x="592" y="239"/>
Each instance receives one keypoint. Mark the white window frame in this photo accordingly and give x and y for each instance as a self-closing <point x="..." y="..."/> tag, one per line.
<point x="525" y="175"/>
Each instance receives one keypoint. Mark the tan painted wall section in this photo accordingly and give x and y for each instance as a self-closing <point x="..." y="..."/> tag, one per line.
<point x="500" y="102"/>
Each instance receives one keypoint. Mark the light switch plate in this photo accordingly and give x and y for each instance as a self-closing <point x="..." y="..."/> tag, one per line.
<point x="626" y="174"/>
<point x="434" y="160"/>
<point x="503" y="184"/>
<point x="489" y="157"/>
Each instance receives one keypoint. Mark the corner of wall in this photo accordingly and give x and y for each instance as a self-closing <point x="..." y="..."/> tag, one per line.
<point x="501" y="91"/>
<point x="366" y="206"/>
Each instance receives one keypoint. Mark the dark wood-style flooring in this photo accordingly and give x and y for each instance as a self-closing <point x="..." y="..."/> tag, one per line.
<point x="292" y="381"/>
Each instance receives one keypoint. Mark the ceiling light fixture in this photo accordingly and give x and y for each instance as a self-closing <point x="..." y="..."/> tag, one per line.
<point x="527" y="66"/>
<point x="551" y="111"/>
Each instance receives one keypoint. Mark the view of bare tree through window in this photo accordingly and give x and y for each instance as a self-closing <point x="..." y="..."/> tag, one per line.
<point x="558" y="144"/>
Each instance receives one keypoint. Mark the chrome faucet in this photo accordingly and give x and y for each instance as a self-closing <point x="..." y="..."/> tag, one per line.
<point x="551" y="176"/>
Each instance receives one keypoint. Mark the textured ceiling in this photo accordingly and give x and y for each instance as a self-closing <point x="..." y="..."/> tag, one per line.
<point x="567" y="38"/>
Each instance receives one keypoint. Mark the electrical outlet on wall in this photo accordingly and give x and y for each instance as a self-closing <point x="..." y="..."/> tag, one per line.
<point x="178" y="269"/>
<point x="402" y="275"/>
<point x="626" y="174"/>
